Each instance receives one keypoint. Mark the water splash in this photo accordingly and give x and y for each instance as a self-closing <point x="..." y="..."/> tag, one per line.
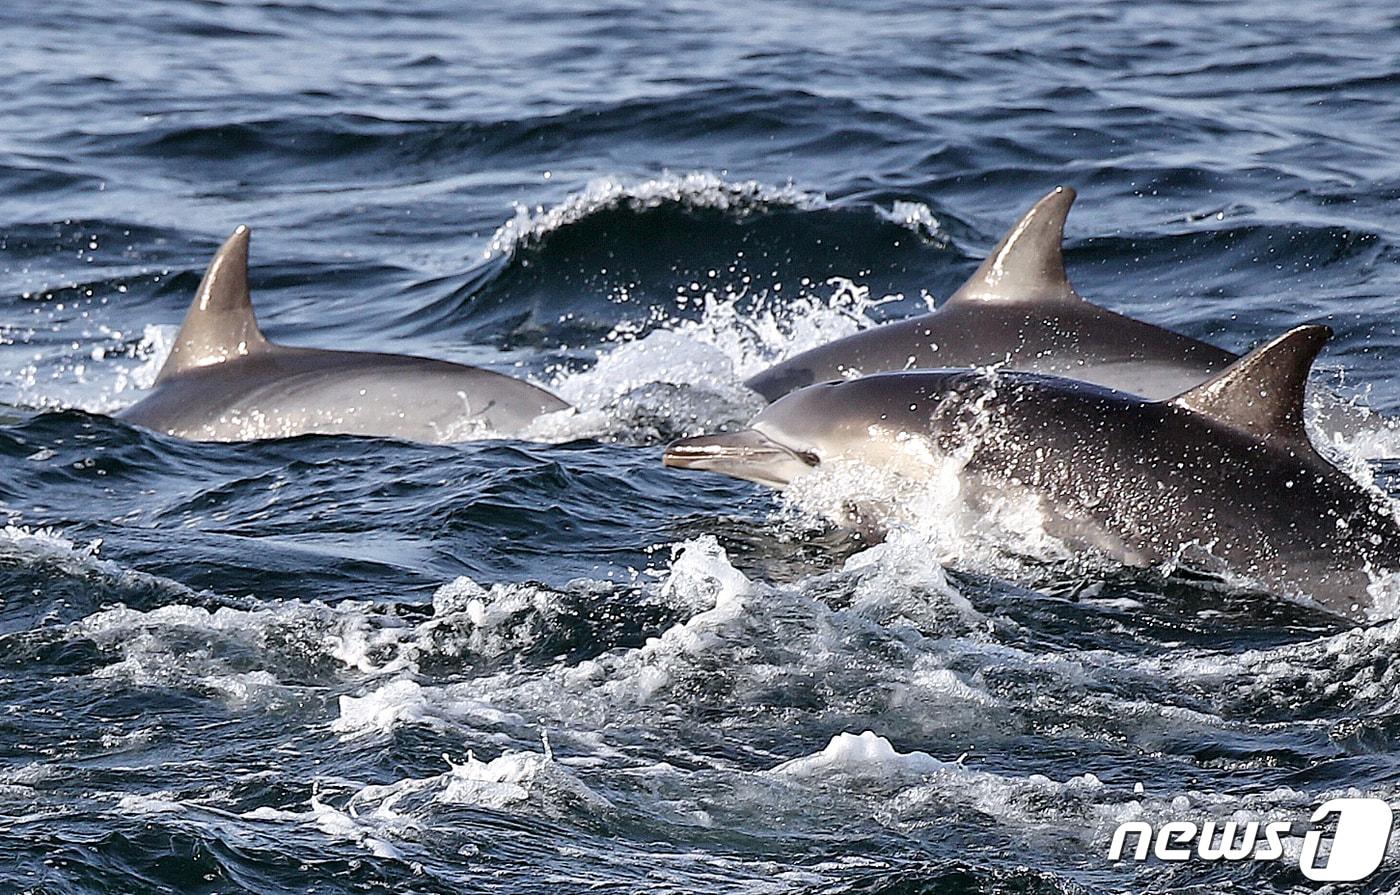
<point x="674" y="377"/>
<point x="695" y="190"/>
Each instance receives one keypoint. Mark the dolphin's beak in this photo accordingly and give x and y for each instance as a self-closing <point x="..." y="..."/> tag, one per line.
<point x="746" y="454"/>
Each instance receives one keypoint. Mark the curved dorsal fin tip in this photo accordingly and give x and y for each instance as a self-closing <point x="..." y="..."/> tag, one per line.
<point x="1028" y="264"/>
<point x="1058" y="202"/>
<point x="220" y="324"/>
<point x="225" y="282"/>
<point x="1263" y="392"/>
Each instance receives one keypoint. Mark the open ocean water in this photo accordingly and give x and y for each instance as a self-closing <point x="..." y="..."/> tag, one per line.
<point x="336" y="665"/>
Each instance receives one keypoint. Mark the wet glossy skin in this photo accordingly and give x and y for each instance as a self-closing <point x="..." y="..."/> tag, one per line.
<point x="1074" y="339"/>
<point x="293" y="391"/>
<point x="1017" y="311"/>
<point x="224" y="381"/>
<point x="1142" y="481"/>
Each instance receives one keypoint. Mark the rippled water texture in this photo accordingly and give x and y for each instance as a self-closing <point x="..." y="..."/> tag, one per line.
<point x="347" y="665"/>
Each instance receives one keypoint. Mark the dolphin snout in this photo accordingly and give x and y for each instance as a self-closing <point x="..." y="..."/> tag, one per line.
<point x="746" y="454"/>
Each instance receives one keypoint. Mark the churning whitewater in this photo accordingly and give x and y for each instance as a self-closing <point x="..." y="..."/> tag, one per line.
<point x="541" y="660"/>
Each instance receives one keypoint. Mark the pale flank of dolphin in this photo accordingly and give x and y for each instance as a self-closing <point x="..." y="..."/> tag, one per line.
<point x="1020" y="311"/>
<point x="224" y="381"/>
<point x="1224" y="470"/>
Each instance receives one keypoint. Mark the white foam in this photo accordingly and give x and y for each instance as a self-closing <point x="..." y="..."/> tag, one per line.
<point x="1342" y="424"/>
<point x="888" y="635"/>
<point x="742" y="639"/>
<point x="889" y="638"/>
<point x="696" y="189"/>
<point x="190" y="646"/>
<point x="48" y="547"/>
<point x="518" y="779"/>
<point x="910" y="790"/>
<point x="103" y="379"/>
<point x="900" y="582"/>
<point x="22" y="543"/>
<point x="918" y="499"/>
<point x="155" y="345"/>
<point x="147" y="804"/>
<point x="672" y="377"/>
<point x="515" y="781"/>
<point x="914" y="790"/>
<point x="917" y="217"/>
<point x="404" y="701"/>
<point x="154" y="647"/>
<point x="700" y="576"/>
<point x="337" y="824"/>
<point x="1355" y="667"/>
<point x="865" y="754"/>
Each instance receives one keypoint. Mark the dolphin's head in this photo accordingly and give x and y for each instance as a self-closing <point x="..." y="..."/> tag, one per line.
<point x="811" y="426"/>
<point x="789" y="437"/>
<point x="746" y="454"/>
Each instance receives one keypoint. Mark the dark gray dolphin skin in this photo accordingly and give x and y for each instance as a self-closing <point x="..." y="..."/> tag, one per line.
<point x="224" y="381"/>
<point x="1018" y="310"/>
<point x="1222" y="476"/>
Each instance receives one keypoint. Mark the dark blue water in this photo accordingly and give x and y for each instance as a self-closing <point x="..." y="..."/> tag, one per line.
<point x="355" y="665"/>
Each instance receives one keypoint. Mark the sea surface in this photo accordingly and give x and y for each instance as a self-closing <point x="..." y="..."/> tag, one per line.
<point x="344" y="665"/>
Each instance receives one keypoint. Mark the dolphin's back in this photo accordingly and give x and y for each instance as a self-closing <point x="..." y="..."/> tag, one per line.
<point x="1151" y="483"/>
<point x="225" y="381"/>
<point x="1222" y="477"/>
<point x="1018" y="311"/>
<point x="1077" y="341"/>
<point x="294" y="391"/>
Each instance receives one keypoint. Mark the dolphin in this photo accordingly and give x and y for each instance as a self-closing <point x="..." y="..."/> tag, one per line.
<point x="1221" y="477"/>
<point x="224" y="381"/>
<point x="1018" y="310"/>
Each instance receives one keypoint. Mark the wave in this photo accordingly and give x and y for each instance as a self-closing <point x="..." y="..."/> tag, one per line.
<point x="694" y="191"/>
<point x="889" y="644"/>
<point x="750" y="270"/>
<point x="639" y="253"/>
<point x="307" y="151"/>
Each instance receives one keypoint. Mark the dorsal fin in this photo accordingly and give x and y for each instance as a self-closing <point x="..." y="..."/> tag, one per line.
<point x="1262" y="392"/>
<point x="1028" y="265"/>
<point x="220" y="324"/>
